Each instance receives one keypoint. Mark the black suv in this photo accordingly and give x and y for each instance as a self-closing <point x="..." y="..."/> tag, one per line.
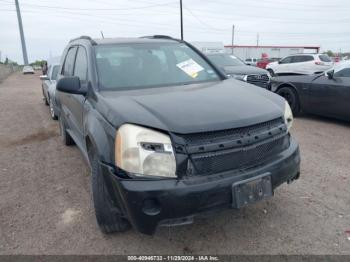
<point x="166" y="134"/>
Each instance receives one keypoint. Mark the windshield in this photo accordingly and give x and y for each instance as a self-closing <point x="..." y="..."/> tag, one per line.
<point x="142" y="65"/>
<point x="222" y="60"/>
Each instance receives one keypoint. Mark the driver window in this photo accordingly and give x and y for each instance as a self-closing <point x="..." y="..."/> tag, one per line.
<point x="343" y="73"/>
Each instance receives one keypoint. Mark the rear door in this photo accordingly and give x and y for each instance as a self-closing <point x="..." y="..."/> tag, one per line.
<point x="303" y="64"/>
<point x="65" y="98"/>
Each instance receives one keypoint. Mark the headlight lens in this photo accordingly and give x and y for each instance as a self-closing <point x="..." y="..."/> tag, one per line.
<point x="143" y="151"/>
<point x="238" y="77"/>
<point x="288" y="115"/>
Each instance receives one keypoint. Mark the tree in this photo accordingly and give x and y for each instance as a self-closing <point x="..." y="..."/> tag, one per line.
<point x="329" y="53"/>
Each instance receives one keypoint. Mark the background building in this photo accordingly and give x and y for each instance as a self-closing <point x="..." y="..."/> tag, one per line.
<point x="246" y="51"/>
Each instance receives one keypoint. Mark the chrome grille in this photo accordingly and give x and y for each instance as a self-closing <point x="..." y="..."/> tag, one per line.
<point x="261" y="80"/>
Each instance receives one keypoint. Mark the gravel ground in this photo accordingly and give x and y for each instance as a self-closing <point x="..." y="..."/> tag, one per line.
<point x="46" y="208"/>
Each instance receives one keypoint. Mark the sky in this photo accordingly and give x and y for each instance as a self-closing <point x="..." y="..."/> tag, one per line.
<point x="49" y="25"/>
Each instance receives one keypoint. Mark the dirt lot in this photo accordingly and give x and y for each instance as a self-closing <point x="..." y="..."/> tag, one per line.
<point x="45" y="202"/>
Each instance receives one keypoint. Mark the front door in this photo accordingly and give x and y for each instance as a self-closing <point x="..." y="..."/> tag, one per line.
<point x="331" y="97"/>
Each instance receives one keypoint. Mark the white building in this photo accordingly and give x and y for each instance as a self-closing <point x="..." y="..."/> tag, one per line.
<point x="246" y="51"/>
<point x="209" y="47"/>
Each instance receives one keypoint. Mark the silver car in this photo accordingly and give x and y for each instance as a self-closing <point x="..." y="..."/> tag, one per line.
<point x="49" y="89"/>
<point x="28" y="70"/>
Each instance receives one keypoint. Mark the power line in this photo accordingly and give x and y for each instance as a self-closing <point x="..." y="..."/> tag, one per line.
<point x="210" y="16"/>
<point x="113" y="20"/>
<point x="95" y="9"/>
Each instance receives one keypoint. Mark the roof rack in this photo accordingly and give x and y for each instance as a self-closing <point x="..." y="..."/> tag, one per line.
<point x="160" y="37"/>
<point x="84" y="37"/>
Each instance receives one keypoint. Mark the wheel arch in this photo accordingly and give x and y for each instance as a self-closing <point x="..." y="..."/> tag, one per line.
<point x="100" y="136"/>
<point x="295" y="89"/>
<point x="288" y="85"/>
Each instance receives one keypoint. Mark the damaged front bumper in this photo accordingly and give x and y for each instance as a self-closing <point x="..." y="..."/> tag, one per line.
<point x="148" y="204"/>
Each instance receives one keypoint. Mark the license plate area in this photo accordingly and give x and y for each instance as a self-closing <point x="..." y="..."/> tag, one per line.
<point x="251" y="190"/>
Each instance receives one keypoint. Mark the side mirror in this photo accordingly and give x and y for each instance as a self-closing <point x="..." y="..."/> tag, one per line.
<point x="44" y="77"/>
<point x="279" y="61"/>
<point x="70" y="85"/>
<point x="330" y="74"/>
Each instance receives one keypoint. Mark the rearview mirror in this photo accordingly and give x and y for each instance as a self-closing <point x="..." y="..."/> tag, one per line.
<point x="70" y="85"/>
<point x="44" y="77"/>
<point x="330" y="74"/>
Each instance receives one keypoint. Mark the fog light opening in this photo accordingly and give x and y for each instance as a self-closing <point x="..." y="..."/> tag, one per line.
<point x="151" y="207"/>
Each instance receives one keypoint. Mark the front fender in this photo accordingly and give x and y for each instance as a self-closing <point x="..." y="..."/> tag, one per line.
<point x="100" y="134"/>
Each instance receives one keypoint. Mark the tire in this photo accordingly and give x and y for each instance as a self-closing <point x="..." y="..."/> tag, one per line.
<point x="66" y="138"/>
<point x="272" y="73"/>
<point x="52" y="110"/>
<point x="108" y="214"/>
<point x="289" y="94"/>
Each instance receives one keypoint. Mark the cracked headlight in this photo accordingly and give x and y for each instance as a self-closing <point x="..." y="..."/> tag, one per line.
<point x="143" y="151"/>
<point x="288" y="115"/>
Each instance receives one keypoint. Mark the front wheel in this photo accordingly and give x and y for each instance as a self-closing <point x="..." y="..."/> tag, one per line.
<point x="108" y="213"/>
<point x="291" y="96"/>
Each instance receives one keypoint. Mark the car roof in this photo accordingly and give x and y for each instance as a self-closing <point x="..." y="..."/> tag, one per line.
<point x="312" y="54"/>
<point x="126" y="40"/>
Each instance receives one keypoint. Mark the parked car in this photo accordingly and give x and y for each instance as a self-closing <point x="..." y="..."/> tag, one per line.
<point x="251" y="61"/>
<point x="49" y="89"/>
<point x="326" y="94"/>
<point x="234" y="67"/>
<point x="166" y="134"/>
<point x="300" y="64"/>
<point x="28" y="70"/>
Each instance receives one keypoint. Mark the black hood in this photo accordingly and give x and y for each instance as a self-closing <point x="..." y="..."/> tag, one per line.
<point x="193" y="108"/>
<point x="244" y="70"/>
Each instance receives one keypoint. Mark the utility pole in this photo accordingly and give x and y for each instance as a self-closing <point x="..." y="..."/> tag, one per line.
<point x="182" y="29"/>
<point x="233" y="37"/>
<point x="257" y="39"/>
<point x="24" y="48"/>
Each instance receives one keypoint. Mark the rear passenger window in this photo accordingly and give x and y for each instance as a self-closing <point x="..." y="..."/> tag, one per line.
<point x="69" y="62"/>
<point x="302" y="58"/>
<point x="308" y="58"/>
<point x="80" y="69"/>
